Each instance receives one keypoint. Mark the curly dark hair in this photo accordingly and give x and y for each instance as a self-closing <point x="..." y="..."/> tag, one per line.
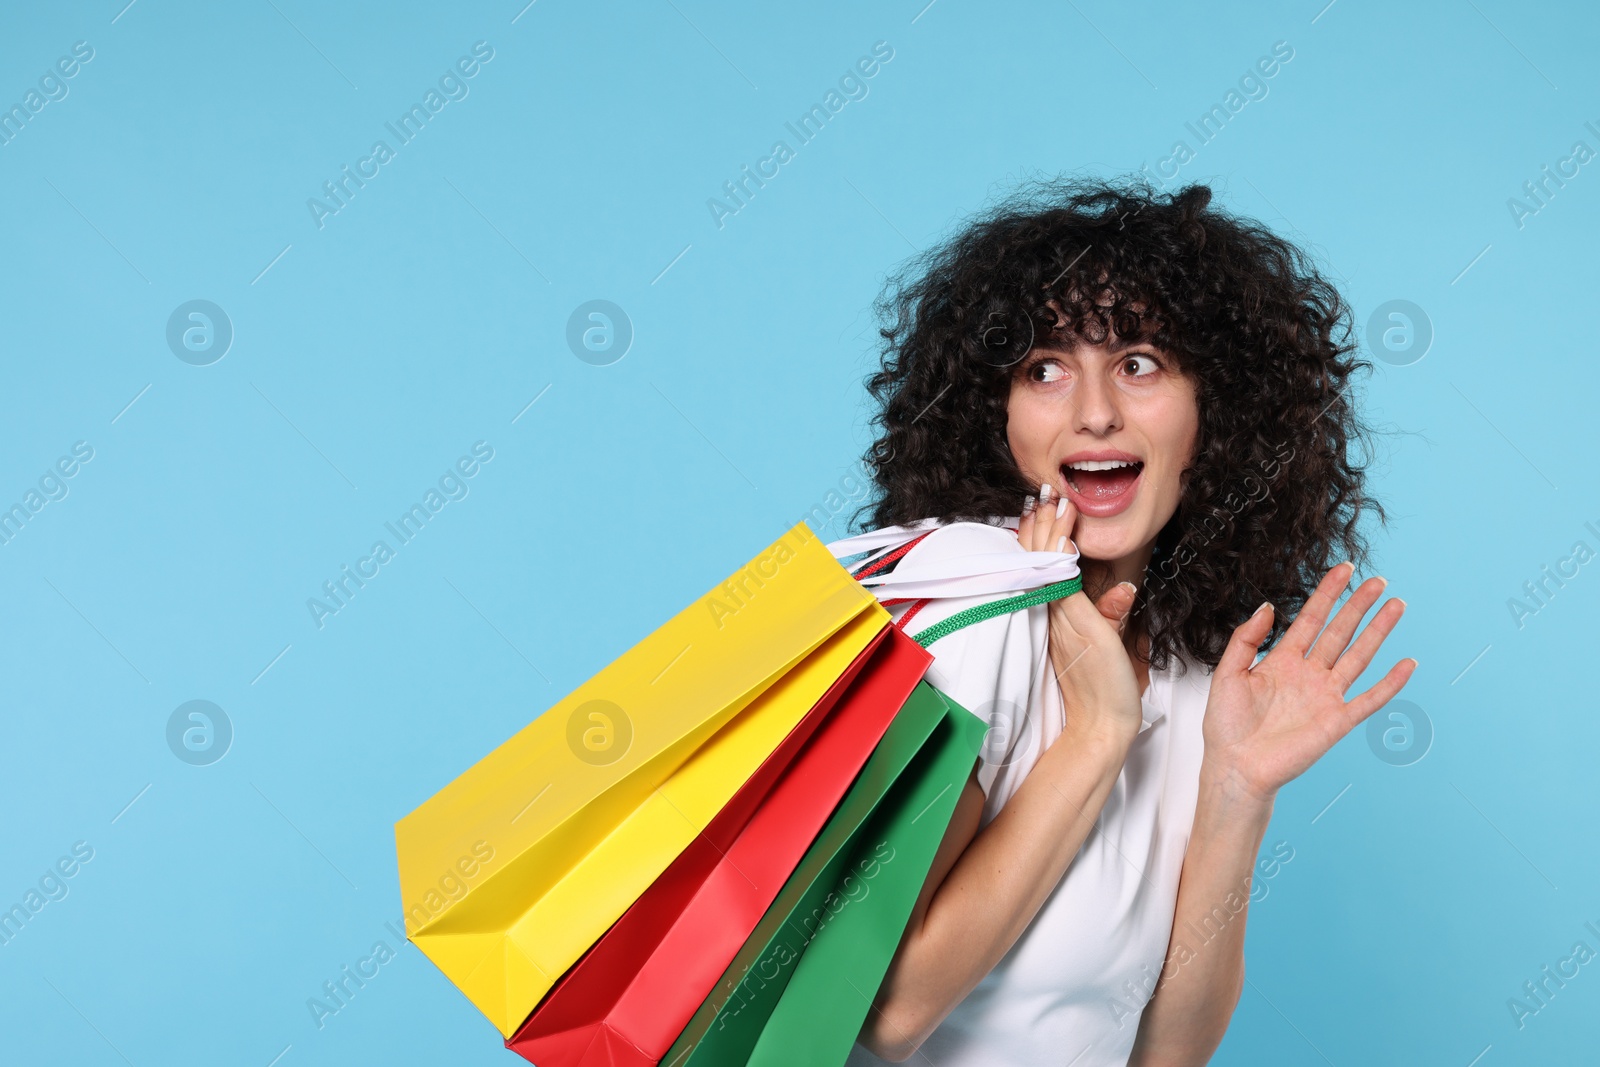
<point x="1273" y="497"/>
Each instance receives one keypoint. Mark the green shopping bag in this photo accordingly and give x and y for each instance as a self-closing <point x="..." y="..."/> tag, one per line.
<point x="800" y="988"/>
<point x="821" y="1012"/>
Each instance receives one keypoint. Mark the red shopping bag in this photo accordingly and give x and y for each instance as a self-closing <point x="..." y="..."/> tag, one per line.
<point x="628" y="998"/>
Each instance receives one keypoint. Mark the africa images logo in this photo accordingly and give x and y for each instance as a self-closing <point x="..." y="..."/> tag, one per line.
<point x="852" y="85"/>
<point x="452" y="485"/>
<point x="452" y="86"/>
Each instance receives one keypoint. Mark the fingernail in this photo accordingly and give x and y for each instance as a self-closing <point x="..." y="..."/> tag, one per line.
<point x="1131" y="587"/>
<point x="1402" y="603"/>
<point x="1044" y="492"/>
<point x="1028" y="506"/>
<point x="1061" y="545"/>
<point x="1061" y="507"/>
<point x="1264" y="604"/>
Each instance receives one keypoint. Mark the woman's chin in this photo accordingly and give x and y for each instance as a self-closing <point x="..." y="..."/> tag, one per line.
<point x="1094" y="550"/>
<point x="1110" y="540"/>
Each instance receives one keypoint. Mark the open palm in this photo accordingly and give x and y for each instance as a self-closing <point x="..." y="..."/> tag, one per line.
<point x="1264" y="725"/>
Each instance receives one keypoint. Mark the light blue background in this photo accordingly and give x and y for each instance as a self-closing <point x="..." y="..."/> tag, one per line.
<point x="428" y="313"/>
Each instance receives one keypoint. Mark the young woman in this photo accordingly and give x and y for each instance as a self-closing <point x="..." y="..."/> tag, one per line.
<point x="1161" y="390"/>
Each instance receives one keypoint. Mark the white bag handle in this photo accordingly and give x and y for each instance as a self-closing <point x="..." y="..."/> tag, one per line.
<point x="979" y="574"/>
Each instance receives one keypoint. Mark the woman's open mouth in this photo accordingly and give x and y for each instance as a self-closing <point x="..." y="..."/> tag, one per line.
<point x="1101" y="488"/>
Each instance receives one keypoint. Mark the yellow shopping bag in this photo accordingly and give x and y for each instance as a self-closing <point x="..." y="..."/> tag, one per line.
<point x="509" y="873"/>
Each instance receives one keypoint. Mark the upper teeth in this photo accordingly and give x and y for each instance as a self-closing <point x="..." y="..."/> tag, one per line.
<point x="1100" y="464"/>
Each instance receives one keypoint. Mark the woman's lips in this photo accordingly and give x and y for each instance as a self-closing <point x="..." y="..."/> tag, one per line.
<point x="1101" y="494"/>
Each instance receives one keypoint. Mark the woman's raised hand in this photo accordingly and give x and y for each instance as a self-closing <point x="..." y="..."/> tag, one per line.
<point x="1098" y="687"/>
<point x="1264" y="725"/>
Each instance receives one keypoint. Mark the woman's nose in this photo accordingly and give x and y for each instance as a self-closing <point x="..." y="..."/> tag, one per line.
<point x="1095" y="406"/>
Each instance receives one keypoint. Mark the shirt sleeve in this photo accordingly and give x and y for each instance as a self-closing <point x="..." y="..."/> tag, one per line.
<point x="993" y="668"/>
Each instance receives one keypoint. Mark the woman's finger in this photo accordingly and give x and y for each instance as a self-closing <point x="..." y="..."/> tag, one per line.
<point x="1247" y="637"/>
<point x="1115" y="604"/>
<point x="1025" y="523"/>
<point x="1065" y="517"/>
<point x="1085" y="617"/>
<point x="1355" y="660"/>
<point x="1331" y="643"/>
<point x="1043" y="519"/>
<point x="1306" y="625"/>
<point x="1381" y="693"/>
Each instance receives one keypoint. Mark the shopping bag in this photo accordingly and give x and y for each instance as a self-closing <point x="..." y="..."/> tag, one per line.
<point x="821" y="1011"/>
<point x="512" y="871"/>
<point x="868" y="863"/>
<point x="630" y="996"/>
<point x="803" y="983"/>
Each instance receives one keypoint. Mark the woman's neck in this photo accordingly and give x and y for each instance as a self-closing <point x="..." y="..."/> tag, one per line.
<point x="1100" y="575"/>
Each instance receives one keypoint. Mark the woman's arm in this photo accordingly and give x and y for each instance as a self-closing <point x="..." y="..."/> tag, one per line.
<point x="1264" y="726"/>
<point x="1203" y="976"/>
<point x="986" y="886"/>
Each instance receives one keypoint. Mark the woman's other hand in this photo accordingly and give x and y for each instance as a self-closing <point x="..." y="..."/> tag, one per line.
<point x="1264" y="725"/>
<point x="1098" y="686"/>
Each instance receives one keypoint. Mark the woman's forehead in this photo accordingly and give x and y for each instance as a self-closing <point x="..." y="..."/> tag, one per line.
<point x="1094" y="331"/>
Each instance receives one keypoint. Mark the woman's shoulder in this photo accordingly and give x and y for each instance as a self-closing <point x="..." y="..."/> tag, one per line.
<point x="990" y="657"/>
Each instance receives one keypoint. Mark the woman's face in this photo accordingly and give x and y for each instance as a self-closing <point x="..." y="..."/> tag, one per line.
<point x="1113" y="428"/>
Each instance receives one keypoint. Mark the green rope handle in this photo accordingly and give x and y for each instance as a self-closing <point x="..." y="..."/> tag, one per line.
<point x="1042" y="595"/>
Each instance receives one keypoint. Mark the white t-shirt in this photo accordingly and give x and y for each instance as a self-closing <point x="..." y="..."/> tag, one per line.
<point x="1071" y="989"/>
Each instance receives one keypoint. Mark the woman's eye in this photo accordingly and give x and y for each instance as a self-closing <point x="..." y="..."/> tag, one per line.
<point x="1048" y="370"/>
<point x="1141" y="364"/>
